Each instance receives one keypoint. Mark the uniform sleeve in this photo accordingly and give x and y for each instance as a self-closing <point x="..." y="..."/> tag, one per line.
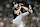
<point x="13" y="10"/>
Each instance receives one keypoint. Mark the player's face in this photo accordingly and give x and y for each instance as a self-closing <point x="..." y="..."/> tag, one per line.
<point x="15" y="6"/>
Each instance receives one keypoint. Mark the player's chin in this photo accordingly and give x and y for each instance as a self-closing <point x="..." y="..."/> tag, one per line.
<point x="15" y="6"/>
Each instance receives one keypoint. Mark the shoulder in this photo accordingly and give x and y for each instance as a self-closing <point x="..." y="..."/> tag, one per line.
<point x="13" y="8"/>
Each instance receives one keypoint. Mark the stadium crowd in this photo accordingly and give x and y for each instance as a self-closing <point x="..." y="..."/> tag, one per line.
<point x="6" y="15"/>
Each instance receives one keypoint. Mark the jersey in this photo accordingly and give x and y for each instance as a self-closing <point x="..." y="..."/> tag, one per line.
<point x="15" y="15"/>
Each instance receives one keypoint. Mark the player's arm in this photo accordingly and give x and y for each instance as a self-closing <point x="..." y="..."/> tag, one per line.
<point x="26" y="9"/>
<point x="17" y="12"/>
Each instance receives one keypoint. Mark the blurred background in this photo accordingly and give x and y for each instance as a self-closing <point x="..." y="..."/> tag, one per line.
<point x="6" y="15"/>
